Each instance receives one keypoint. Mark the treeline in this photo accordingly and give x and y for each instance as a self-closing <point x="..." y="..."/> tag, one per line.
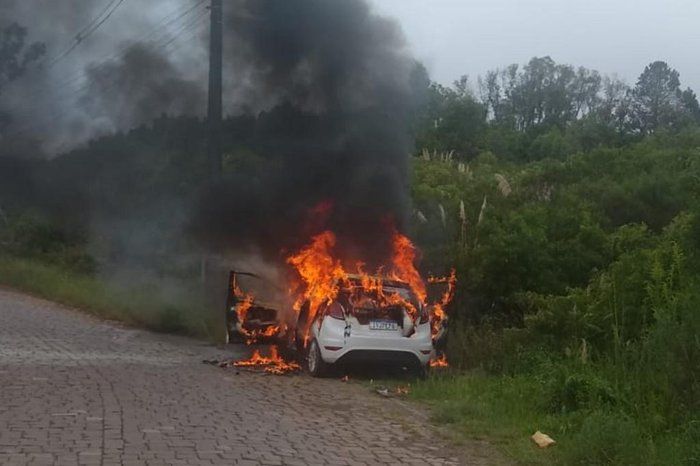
<point x="544" y="109"/>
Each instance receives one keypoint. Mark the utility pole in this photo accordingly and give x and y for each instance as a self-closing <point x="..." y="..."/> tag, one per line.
<point x="215" y="112"/>
<point x="214" y="108"/>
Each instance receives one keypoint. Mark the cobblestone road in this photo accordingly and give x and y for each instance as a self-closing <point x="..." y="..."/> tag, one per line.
<point x="76" y="390"/>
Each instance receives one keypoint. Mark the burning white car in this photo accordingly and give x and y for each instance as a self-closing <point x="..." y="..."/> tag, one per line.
<point x="383" y="322"/>
<point x="341" y="317"/>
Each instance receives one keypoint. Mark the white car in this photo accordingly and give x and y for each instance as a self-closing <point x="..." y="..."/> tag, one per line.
<point x="363" y="330"/>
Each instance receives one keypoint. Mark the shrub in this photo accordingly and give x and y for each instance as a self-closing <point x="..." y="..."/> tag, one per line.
<point x="31" y="235"/>
<point x="571" y="389"/>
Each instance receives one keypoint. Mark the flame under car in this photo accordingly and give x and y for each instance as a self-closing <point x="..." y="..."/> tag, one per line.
<point x="361" y="325"/>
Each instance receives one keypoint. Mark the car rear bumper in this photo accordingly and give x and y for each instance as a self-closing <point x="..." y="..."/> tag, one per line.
<point x="361" y="347"/>
<point x="388" y="357"/>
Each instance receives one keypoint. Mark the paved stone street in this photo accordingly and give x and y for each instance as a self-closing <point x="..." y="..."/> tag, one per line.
<point x="77" y="390"/>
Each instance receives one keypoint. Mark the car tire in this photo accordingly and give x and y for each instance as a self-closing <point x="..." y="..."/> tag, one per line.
<point x="422" y="371"/>
<point x="314" y="362"/>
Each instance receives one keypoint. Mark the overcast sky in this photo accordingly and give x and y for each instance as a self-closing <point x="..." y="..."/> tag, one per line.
<point x="456" y="37"/>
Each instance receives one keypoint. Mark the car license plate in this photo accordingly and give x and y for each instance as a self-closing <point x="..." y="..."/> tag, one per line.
<point x="383" y="325"/>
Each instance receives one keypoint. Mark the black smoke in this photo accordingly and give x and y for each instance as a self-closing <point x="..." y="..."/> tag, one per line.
<point x="337" y="132"/>
<point x="117" y="78"/>
<point x="139" y="86"/>
<point x="317" y="92"/>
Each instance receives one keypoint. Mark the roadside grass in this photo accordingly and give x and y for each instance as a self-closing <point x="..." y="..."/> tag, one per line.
<point x="144" y="305"/>
<point x="507" y="410"/>
<point x="479" y="406"/>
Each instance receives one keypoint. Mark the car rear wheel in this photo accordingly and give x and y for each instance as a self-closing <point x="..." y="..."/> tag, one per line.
<point x="422" y="371"/>
<point x="314" y="362"/>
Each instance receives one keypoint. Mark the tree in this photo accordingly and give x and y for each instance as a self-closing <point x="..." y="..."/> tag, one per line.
<point x="541" y="95"/>
<point x="584" y="91"/>
<point x="452" y="120"/>
<point x="690" y="104"/>
<point x="615" y="106"/>
<point x="656" y="99"/>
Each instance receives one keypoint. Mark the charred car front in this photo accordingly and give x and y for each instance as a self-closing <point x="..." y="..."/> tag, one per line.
<point x="247" y="317"/>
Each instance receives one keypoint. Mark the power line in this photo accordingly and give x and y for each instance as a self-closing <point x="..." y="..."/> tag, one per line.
<point x="78" y="35"/>
<point x="191" y="26"/>
<point x="188" y="26"/>
<point x="159" y="37"/>
<point x="89" y="30"/>
<point x="169" y="20"/>
<point x="104" y="20"/>
<point x="165" y="23"/>
<point x="83" y="31"/>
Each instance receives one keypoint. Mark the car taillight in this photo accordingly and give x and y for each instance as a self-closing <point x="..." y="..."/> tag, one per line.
<point x="336" y="311"/>
<point x="424" y="315"/>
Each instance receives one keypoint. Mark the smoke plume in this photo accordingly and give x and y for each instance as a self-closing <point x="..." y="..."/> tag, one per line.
<point x="323" y="84"/>
<point x="131" y="69"/>
<point x="336" y="80"/>
<point x="137" y="87"/>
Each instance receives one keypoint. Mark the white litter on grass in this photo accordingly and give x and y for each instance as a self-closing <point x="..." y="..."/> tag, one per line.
<point x="542" y="440"/>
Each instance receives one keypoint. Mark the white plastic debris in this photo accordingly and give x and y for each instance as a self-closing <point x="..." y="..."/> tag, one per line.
<point x="542" y="440"/>
<point x="383" y="391"/>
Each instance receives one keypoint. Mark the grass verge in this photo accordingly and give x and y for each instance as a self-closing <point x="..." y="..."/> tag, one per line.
<point x="507" y="410"/>
<point x="182" y="311"/>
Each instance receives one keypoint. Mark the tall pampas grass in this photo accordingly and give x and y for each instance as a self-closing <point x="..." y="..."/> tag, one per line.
<point x="503" y="185"/>
<point x="482" y="211"/>
<point x="463" y="221"/>
<point x="444" y="156"/>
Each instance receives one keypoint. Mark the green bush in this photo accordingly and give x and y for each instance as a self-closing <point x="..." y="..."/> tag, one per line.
<point x="570" y="389"/>
<point x="583" y="276"/>
<point x="31" y="235"/>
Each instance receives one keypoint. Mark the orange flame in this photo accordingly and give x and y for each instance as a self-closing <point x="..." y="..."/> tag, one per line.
<point x="322" y="276"/>
<point x="319" y="272"/>
<point x="244" y="306"/>
<point x="242" y="309"/>
<point x="254" y="336"/>
<point x="404" y="261"/>
<point x="272" y="364"/>
<point x="439" y="362"/>
<point x="402" y="391"/>
<point x="375" y="285"/>
<point x="438" y="311"/>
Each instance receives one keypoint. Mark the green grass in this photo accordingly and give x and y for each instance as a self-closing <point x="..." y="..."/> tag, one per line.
<point x="502" y="410"/>
<point x="146" y="305"/>
<point x="507" y="410"/>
